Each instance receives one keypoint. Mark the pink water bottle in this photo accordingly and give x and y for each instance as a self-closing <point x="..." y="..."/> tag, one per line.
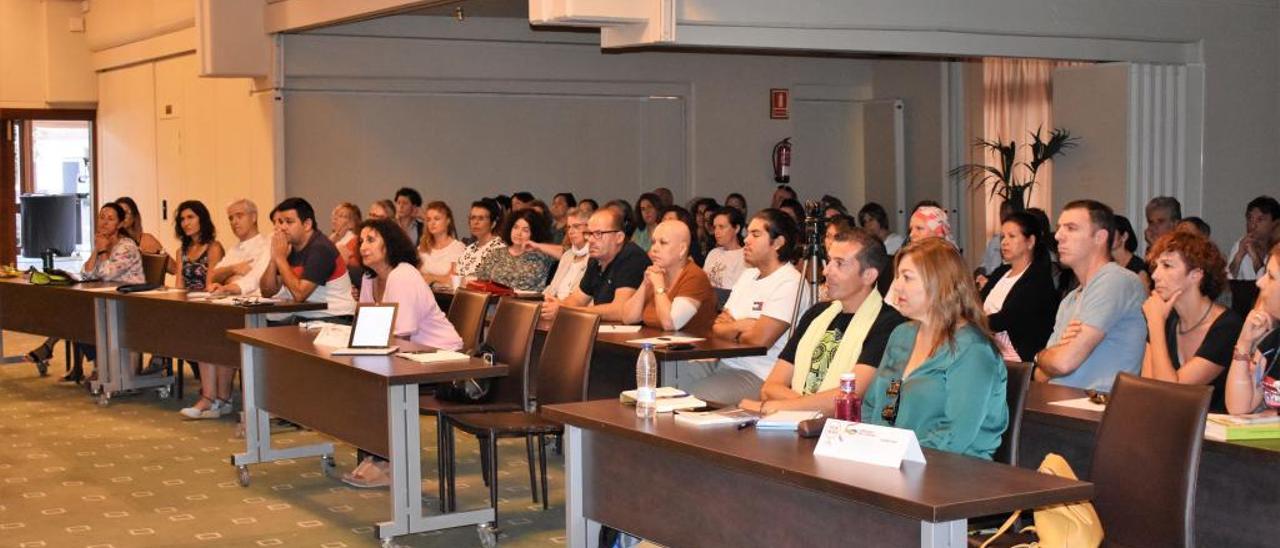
<point x="848" y="404"/>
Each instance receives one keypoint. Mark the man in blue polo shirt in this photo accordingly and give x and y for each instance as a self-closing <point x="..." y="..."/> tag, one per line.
<point x="1099" y="330"/>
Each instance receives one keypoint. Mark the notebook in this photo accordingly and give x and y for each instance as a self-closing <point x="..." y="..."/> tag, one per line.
<point x="728" y="415"/>
<point x="786" y="420"/>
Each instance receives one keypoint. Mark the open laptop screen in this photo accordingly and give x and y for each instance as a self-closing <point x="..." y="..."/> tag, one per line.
<point x="373" y="325"/>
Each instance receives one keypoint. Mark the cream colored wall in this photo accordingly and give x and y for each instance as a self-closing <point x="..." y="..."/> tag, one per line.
<point x="113" y="23"/>
<point x="168" y="135"/>
<point x="42" y="62"/>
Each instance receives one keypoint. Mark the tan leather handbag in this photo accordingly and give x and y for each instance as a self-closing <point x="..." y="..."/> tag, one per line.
<point x="1074" y="525"/>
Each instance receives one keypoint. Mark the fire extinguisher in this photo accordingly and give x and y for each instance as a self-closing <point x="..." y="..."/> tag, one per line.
<point x="782" y="161"/>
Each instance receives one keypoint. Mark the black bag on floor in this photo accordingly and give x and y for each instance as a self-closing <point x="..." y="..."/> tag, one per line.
<point x="469" y="390"/>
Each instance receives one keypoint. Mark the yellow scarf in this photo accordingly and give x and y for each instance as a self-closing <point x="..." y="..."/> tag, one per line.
<point x="846" y="353"/>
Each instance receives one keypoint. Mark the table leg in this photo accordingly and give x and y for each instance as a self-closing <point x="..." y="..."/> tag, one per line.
<point x="257" y="422"/>
<point x="583" y="532"/>
<point x="945" y="534"/>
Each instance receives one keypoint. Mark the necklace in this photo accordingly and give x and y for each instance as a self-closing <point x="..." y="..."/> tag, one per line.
<point x="1182" y="331"/>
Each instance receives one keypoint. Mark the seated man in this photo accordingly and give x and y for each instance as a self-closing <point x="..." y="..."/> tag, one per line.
<point x="305" y="266"/>
<point x="240" y="269"/>
<point x="759" y="310"/>
<point x="1099" y="330"/>
<point x="847" y="334"/>
<point x="614" y="272"/>
<point x="676" y="294"/>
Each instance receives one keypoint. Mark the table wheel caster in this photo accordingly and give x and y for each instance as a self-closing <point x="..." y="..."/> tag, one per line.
<point x="327" y="466"/>
<point x="104" y="398"/>
<point x="43" y="367"/>
<point x="242" y="475"/>
<point x="488" y="533"/>
<point x="164" y="392"/>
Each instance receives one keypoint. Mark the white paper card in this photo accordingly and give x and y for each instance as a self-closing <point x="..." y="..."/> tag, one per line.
<point x="333" y="336"/>
<point x="608" y="328"/>
<point x="868" y="443"/>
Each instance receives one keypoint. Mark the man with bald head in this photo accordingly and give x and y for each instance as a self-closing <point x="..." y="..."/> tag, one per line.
<point x="676" y="294"/>
<point x="616" y="268"/>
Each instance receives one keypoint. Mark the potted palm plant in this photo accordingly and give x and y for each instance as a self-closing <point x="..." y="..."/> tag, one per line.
<point x="1010" y="179"/>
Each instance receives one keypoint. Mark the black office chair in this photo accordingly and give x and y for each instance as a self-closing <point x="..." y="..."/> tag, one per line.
<point x="1016" y="396"/>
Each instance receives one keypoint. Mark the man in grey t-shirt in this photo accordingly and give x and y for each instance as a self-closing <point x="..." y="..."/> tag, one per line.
<point x="1099" y="330"/>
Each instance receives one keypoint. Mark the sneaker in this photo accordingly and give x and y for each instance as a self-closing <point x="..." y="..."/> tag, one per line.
<point x="215" y="410"/>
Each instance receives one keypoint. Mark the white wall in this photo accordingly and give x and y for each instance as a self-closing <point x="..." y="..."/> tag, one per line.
<point x="421" y="63"/>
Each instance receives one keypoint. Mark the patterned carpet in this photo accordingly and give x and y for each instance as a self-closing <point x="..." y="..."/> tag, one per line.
<point x="136" y="474"/>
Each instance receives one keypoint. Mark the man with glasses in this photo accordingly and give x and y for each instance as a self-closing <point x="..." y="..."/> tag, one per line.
<point x="849" y="333"/>
<point x="614" y="272"/>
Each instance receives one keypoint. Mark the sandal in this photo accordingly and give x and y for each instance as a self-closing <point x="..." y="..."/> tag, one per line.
<point x="372" y="477"/>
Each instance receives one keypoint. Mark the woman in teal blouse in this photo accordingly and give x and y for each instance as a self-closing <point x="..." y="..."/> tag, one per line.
<point x="940" y="374"/>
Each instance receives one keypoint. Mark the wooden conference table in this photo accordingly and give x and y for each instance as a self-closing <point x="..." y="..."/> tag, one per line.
<point x="720" y="486"/>
<point x="613" y="362"/>
<point x="368" y="401"/>
<point x="1237" y="495"/>
<point x="162" y="322"/>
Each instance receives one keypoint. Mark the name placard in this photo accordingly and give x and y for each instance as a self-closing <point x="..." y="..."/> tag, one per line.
<point x="868" y="443"/>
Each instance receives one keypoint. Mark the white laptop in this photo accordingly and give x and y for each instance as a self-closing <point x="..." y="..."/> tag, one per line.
<point x="371" y="331"/>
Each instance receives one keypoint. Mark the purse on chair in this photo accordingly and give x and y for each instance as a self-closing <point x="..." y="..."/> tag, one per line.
<point x="469" y="390"/>
<point x="491" y="287"/>
<point x="1074" y="525"/>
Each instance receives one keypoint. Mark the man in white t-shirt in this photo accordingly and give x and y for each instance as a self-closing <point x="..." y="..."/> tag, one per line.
<point x="759" y="310"/>
<point x="238" y="271"/>
<point x="1248" y="255"/>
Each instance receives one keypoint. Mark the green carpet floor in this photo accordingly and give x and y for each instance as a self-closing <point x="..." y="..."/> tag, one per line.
<point x="136" y="474"/>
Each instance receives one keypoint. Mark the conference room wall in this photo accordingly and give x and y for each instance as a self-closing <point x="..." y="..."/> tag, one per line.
<point x="355" y="92"/>
<point x="166" y="135"/>
<point x="42" y="62"/>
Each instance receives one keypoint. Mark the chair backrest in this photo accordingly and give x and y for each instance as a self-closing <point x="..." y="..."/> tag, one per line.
<point x="1016" y="396"/>
<point x="466" y="313"/>
<point x="564" y="368"/>
<point x="1146" y="461"/>
<point x="511" y="336"/>
<point x="153" y="267"/>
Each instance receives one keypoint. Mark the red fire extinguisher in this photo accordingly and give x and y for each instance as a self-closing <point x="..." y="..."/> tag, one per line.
<point x="782" y="161"/>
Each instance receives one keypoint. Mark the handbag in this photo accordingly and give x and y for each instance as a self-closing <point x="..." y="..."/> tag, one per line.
<point x="1074" y="525"/>
<point x="491" y="287"/>
<point x="469" y="390"/>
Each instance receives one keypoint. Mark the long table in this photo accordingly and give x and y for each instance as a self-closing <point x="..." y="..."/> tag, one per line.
<point x="719" y="486"/>
<point x="1237" y="495"/>
<point x="163" y="322"/>
<point x="368" y="401"/>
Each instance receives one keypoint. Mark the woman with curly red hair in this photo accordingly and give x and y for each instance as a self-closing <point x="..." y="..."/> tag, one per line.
<point x="1189" y="335"/>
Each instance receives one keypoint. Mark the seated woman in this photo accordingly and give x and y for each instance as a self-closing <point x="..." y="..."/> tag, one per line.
<point x="574" y="260"/>
<point x="1019" y="297"/>
<point x="343" y="221"/>
<point x="675" y="294"/>
<point x="677" y="213"/>
<point x="483" y="221"/>
<point x="725" y="263"/>
<point x="647" y="207"/>
<point x="1189" y="336"/>
<point x="115" y="259"/>
<point x="1254" y="377"/>
<point x="940" y="375"/>
<point x="193" y="226"/>
<point x="391" y="276"/>
<point x="519" y="266"/>
<point x="439" y="248"/>
<point x="132" y="223"/>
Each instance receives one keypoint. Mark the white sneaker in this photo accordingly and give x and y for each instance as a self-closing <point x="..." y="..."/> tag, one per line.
<point x="215" y="410"/>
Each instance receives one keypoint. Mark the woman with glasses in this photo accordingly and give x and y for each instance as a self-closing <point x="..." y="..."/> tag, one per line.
<point x="940" y="375"/>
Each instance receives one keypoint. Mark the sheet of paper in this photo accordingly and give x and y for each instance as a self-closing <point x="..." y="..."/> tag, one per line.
<point x="1080" y="403"/>
<point x="666" y="339"/>
<point x="434" y="357"/>
<point x="99" y="289"/>
<point x="610" y="328"/>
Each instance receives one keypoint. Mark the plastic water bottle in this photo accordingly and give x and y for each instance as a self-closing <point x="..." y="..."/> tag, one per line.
<point x="848" y="404"/>
<point x="646" y="383"/>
